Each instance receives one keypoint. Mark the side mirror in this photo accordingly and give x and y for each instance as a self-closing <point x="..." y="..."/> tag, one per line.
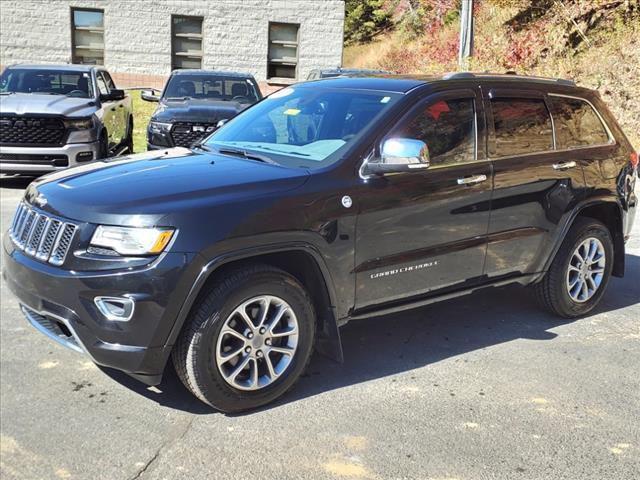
<point x="149" y="96"/>
<point x="400" y="155"/>
<point x="113" y="95"/>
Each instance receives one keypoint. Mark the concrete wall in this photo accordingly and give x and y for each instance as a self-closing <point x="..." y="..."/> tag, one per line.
<point x="138" y="34"/>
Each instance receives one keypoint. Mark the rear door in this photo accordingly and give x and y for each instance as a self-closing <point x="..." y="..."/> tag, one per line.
<point x="534" y="184"/>
<point x="425" y="230"/>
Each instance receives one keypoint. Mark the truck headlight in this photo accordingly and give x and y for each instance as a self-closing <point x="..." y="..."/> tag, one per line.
<point x="159" y="127"/>
<point x="132" y="240"/>
<point x="79" y="123"/>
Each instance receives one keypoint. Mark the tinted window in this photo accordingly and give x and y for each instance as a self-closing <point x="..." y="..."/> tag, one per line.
<point x="521" y="126"/>
<point x="49" y="82"/>
<point x="576" y="123"/>
<point x="102" y="86"/>
<point x="212" y="87"/>
<point x="448" y="129"/>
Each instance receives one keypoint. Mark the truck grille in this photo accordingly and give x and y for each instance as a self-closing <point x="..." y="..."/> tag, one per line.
<point x="34" y="159"/>
<point x="19" y="130"/>
<point x="185" y="134"/>
<point x="40" y="236"/>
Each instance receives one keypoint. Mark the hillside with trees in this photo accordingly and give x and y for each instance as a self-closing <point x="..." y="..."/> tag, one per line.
<point x="595" y="42"/>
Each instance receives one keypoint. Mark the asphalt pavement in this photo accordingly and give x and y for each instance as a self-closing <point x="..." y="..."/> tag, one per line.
<point x="487" y="386"/>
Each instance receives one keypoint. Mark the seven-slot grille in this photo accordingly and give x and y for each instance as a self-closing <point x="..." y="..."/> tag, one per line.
<point x="185" y="134"/>
<point x="19" y="130"/>
<point x="40" y="236"/>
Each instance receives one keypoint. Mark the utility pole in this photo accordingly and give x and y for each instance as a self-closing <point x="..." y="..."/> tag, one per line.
<point x="466" y="33"/>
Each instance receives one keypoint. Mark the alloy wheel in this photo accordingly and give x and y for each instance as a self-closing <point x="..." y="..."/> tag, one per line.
<point x="586" y="270"/>
<point x="257" y="342"/>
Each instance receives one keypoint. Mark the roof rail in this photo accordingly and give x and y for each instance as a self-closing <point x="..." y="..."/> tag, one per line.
<point x="566" y="81"/>
<point x="454" y="75"/>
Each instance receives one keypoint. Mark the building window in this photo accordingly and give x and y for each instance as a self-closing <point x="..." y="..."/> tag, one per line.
<point x="87" y="36"/>
<point x="282" y="61"/>
<point x="186" y="42"/>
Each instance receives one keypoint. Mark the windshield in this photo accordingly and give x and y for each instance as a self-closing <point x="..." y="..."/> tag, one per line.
<point x="303" y="126"/>
<point x="212" y="87"/>
<point x="46" y="82"/>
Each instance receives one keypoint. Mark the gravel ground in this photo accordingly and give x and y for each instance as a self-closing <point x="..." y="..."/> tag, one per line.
<point x="482" y="387"/>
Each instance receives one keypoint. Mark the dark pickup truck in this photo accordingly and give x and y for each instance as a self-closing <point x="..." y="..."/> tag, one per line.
<point x="194" y="103"/>
<point x="56" y="116"/>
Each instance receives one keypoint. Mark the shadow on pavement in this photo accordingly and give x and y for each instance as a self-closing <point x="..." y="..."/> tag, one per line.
<point x="392" y="344"/>
<point x="18" y="182"/>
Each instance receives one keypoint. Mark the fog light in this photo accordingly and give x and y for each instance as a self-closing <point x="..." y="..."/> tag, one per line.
<point x="84" y="156"/>
<point x="117" y="309"/>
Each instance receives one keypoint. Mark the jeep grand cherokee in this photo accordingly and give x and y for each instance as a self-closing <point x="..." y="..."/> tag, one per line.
<point x="326" y="202"/>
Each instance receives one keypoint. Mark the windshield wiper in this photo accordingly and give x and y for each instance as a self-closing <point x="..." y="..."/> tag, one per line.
<point x="178" y="98"/>
<point x="6" y="93"/>
<point x="202" y="146"/>
<point x="245" y="154"/>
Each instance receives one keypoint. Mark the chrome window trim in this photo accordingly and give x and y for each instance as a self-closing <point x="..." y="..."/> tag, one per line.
<point x="612" y="139"/>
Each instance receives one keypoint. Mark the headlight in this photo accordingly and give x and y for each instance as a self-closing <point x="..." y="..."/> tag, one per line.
<point x="79" y="123"/>
<point x="132" y="240"/>
<point x="159" y="127"/>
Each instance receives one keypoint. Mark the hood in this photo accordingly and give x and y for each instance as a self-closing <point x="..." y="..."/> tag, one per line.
<point x="141" y="189"/>
<point x="197" y="110"/>
<point x="33" y="103"/>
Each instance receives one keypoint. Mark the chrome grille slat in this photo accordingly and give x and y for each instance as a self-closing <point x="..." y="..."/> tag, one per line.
<point x="59" y="251"/>
<point x="44" y="250"/>
<point x="41" y="236"/>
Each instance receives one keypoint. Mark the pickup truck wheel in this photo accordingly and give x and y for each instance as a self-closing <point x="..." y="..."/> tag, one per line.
<point x="248" y="340"/>
<point x="580" y="271"/>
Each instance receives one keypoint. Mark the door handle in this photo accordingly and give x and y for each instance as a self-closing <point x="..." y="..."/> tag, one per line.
<point x="472" y="180"/>
<point x="564" y="165"/>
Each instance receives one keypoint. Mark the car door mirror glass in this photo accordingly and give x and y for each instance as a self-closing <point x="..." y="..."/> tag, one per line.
<point x="113" y="95"/>
<point x="400" y="155"/>
<point x="149" y="96"/>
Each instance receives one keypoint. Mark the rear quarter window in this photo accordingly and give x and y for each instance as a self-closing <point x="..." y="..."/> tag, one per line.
<point x="576" y="123"/>
<point x="521" y="125"/>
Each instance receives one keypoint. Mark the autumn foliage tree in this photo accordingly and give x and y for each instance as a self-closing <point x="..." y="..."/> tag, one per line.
<point x="364" y="19"/>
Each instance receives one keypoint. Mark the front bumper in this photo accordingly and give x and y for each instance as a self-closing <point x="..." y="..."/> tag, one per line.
<point x="61" y="305"/>
<point x="39" y="160"/>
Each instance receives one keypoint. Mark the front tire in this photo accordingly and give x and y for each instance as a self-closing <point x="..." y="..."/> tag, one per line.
<point x="248" y="340"/>
<point x="580" y="272"/>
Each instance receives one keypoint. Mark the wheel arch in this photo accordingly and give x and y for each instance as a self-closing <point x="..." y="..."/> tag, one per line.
<point x="303" y="262"/>
<point x="610" y="214"/>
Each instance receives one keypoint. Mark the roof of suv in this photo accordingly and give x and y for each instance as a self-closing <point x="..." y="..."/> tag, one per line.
<point x="405" y="83"/>
<point x="219" y="73"/>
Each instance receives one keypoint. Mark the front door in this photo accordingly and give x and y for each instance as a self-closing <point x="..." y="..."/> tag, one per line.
<point x="425" y="230"/>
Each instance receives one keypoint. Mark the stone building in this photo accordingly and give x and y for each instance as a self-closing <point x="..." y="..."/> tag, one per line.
<point x="142" y="41"/>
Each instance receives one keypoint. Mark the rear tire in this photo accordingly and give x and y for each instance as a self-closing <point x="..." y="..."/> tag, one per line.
<point x="217" y="339"/>
<point x="580" y="271"/>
